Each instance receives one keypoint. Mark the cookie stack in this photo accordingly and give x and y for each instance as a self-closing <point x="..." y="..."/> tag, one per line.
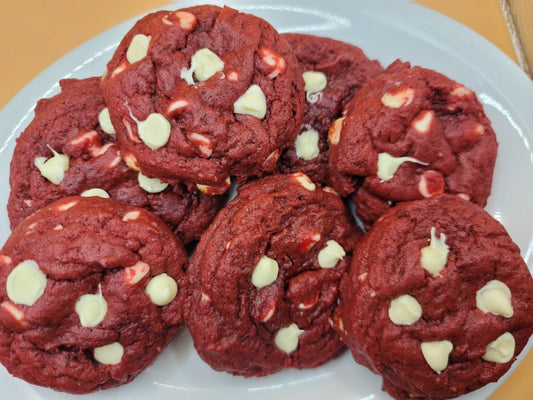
<point x="280" y="195"/>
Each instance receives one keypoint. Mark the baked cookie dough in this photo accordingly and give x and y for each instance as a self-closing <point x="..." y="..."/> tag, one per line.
<point x="264" y="278"/>
<point x="91" y="292"/>
<point x="70" y="148"/>
<point x="204" y="95"/>
<point x="333" y="72"/>
<point x="437" y="300"/>
<point x="409" y="134"/>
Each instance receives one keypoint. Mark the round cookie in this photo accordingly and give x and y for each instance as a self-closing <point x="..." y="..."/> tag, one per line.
<point x="408" y="134"/>
<point x="70" y="147"/>
<point x="264" y="278"/>
<point x="204" y="94"/>
<point x="333" y="72"/>
<point x="437" y="300"/>
<point x="91" y="292"/>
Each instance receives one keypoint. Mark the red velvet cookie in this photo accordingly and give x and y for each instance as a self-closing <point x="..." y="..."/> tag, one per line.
<point x="333" y="72"/>
<point x="91" y="291"/>
<point x="70" y="147"/>
<point x="438" y="299"/>
<point x="203" y="94"/>
<point x="264" y="278"/>
<point x="409" y="134"/>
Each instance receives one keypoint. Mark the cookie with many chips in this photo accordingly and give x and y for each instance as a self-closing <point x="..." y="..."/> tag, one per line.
<point x="204" y="95"/>
<point x="409" y="134"/>
<point x="70" y="148"/>
<point x="91" y="292"/>
<point x="437" y="300"/>
<point x="333" y="72"/>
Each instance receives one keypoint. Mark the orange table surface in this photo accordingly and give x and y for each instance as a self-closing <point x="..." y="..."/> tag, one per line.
<point x="34" y="34"/>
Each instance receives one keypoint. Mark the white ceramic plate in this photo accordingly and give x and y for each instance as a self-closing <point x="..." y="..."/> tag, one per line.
<point x="385" y="30"/>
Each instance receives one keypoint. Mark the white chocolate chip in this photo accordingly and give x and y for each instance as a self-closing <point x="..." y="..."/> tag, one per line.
<point x="186" y="20"/>
<point x="131" y="162"/>
<point x="154" y="131"/>
<point x="87" y="139"/>
<point x="269" y="314"/>
<point x="151" y="185"/>
<point x="162" y="289"/>
<point x="207" y="189"/>
<point x="252" y="102"/>
<point x="461" y="91"/>
<point x="203" y="143"/>
<point x="274" y="156"/>
<point x="388" y="165"/>
<point x="394" y="99"/>
<point x="233" y="76"/>
<point x="310" y="303"/>
<point x="479" y="130"/>
<point x="435" y="256"/>
<point x="176" y="105"/>
<point x="500" y="350"/>
<point x="328" y="189"/>
<point x="304" y="180"/>
<point x="430" y="183"/>
<point x="265" y="272"/>
<point x="205" y="297"/>
<point x="58" y="227"/>
<point x="66" y="206"/>
<point x="13" y="310"/>
<point x="114" y="162"/>
<point x="138" y="48"/>
<point x="6" y="260"/>
<point x="25" y="283"/>
<point x="422" y="122"/>
<point x="109" y="354"/>
<point x="104" y="120"/>
<point x="98" y="151"/>
<point x="495" y="297"/>
<point x="166" y="21"/>
<point x="340" y="325"/>
<point x="437" y="354"/>
<point x="95" y="192"/>
<point x="275" y="63"/>
<point x="118" y="69"/>
<point x="315" y="82"/>
<point x="205" y="64"/>
<point x="136" y="272"/>
<point x="330" y="255"/>
<point x="311" y="240"/>
<point x="334" y="131"/>
<point x="131" y="216"/>
<point x="306" y="145"/>
<point x="287" y="338"/>
<point x="131" y="135"/>
<point x="53" y="168"/>
<point x="405" y="310"/>
<point x="91" y="309"/>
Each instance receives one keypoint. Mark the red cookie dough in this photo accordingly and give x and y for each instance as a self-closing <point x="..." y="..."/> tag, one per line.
<point x="66" y="130"/>
<point x="204" y="94"/>
<point x="438" y="299"/>
<point x="409" y="134"/>
<point x="343" y="68"/>
<point x="264" y="278"/>
<point x="88" y="294"/>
